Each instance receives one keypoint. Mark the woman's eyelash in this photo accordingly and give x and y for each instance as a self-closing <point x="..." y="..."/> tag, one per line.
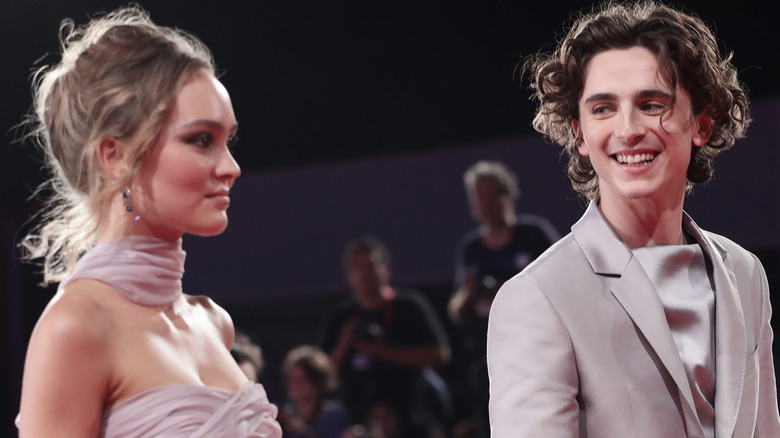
<point x="201" y="140"/>
<point x="207" y="140"/>
<point x="232" y="141"/>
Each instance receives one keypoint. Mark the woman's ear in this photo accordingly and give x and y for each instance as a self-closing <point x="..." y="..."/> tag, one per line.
<point x="112" y="155"/>
<point x="704" y="126"/>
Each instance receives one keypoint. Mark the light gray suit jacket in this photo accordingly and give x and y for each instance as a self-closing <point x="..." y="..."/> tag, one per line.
<point x="578" y="345"/>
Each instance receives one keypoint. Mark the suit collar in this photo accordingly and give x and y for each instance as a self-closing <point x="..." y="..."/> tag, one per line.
<point x="609" y="256"/>
<point x="731" y="347"/>
<point x="603" y="248"/>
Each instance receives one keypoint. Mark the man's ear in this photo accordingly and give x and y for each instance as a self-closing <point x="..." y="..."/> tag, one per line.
<point x="112" y="155"/>
<point x="704" y="126"/>
<point x="575" y="126"/>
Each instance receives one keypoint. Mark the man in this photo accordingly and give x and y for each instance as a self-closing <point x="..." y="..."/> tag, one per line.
<point x="503" y="245"/>
<point x="385" y="342"/>
<point x="638" y="323"/>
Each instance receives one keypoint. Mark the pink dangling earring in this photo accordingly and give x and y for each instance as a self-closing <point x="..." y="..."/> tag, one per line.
<point x="127" y="200"/>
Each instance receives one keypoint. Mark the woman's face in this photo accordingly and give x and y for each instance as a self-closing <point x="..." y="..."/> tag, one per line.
<point x="183" y="186"/>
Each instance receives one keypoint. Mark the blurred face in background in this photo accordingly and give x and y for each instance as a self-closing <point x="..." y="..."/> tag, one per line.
<point x="299" y="387"/>
<point x="367" y="275"/>
<point x="490" y="202"/>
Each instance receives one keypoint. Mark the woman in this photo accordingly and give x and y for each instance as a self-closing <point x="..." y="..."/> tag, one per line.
<point x="136" y="130"/>
<point x="310" y="377"/>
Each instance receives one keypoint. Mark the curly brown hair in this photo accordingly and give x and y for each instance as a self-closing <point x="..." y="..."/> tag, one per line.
<point x="688" y="55"/>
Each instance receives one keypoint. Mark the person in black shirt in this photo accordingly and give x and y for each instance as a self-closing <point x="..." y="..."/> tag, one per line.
<point x="502" y="245"/>
<point x="384" y="343"/>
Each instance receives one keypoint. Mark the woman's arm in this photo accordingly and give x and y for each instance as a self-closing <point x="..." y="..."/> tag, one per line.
<point x="67" y="372"/>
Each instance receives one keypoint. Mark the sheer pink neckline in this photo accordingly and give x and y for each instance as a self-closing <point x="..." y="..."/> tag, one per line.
<point x="146" y="270"/>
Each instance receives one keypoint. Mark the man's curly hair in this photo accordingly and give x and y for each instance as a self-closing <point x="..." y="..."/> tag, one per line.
<point x="688" y="55"/>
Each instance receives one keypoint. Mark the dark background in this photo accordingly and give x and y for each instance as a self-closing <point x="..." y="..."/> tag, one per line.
<point x="323" y="88"/>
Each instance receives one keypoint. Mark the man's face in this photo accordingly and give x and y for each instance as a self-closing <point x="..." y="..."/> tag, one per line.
<point x="366" y="274"/>
<point x="489" y="202"/>
<point x="638" y="142"/>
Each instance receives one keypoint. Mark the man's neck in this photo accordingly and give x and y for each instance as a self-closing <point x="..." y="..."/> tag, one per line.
<point x="499" y="233"/>
<point x="645" y="222"/>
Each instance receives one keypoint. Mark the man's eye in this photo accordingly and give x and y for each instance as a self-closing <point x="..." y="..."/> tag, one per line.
<point x="654" y="107"/>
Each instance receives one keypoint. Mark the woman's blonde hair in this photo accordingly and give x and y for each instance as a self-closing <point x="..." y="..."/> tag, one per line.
<point x="118" y="77"/>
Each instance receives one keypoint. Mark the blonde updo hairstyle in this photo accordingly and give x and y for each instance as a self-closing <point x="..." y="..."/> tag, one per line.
<point x="118" y="77"/>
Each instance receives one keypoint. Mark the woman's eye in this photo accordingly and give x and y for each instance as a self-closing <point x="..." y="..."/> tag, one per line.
<point x="201" y="140"/>
<point x="232" y="142"/>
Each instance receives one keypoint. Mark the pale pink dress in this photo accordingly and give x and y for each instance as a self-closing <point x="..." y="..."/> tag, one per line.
<point x="148" y="271"/>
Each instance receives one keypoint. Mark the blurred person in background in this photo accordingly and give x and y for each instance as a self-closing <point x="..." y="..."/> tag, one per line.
<point x="385" y="343"/>
<point x="503" y="244"/>
<point x="311" y="381"/>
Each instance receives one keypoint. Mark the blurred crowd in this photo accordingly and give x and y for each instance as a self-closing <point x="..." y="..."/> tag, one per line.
<point x="383" y="364"/>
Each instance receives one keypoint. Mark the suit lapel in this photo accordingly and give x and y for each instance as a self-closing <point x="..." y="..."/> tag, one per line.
<point x="730" y="334"/>
<point x="609" y="256"/>
<point x="638" y="296"/>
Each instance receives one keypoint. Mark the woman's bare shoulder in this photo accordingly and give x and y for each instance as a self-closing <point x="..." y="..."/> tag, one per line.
<point x="77" y="313"/>
<point x="218" y="316"/>
<point x="68" y="369"/>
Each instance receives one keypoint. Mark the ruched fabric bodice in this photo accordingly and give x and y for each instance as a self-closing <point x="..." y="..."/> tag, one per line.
<point x="179" y="411"/>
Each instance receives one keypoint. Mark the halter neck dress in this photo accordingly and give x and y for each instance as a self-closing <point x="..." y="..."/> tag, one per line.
<point x="148" y="271"/>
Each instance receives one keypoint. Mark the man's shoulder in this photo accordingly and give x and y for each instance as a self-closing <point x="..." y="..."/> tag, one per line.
<point x="733" y="254"/>
<point x="725" y="243"/>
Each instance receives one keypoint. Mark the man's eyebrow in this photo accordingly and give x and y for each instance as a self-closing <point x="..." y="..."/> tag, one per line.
<point x="600" y="96"/>
<point x="640" y="95"/>
<point x="654" y="93"/>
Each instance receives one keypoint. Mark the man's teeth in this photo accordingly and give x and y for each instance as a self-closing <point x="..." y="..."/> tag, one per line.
<point x="635" y="160"/>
